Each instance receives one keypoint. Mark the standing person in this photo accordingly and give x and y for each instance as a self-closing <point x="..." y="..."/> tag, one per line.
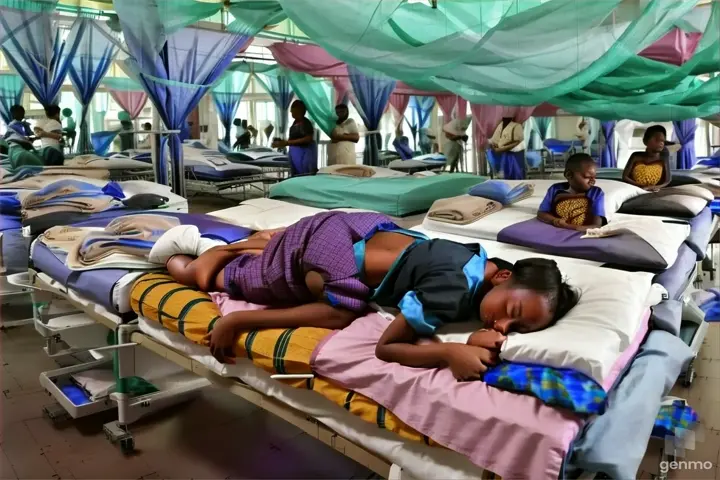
<point x="507" y="149"/>
<point x="70" y="127"/>
<point x="343" y="137"/>
<point x="252" y="131"/>
<point x="401" y="143"/>
<point x="146" y="142"/>
<point x="303" y="149"/>
<point x="239" y="132"/>
<point x="455" y="139"/>
<point x="583" y="134"/>
<point x="650" y="169"/>
<point x="50" y="133"/>
<point x="246" y="136"/>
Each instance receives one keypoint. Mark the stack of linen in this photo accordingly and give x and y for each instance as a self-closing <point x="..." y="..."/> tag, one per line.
<point x="71" y="196"/>
<point x="124" y="243"/>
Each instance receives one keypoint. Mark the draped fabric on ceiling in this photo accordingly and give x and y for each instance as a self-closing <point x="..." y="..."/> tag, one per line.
<point x="93" y="58"/>
<point x="176" y="77"/>
<point x="676" y="47"/>
<point x="421" y="108"/>
<point x="11" y="91"/>
<point x="32" y="44"/>
<point x="685" y="133"/>
<point x="227" y="95"/>
<point x="608" y="156"/>
<point x="373" y="93"/>
<point x="343" y="93"/>
<point x="127" y="93"/>
<point x="447" y="105"/>
<point x="278" y="87"/>
<point x="399" y="103"/>
<point x="316" y="94"/>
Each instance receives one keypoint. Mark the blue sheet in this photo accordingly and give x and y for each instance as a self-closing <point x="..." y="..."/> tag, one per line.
<point x="614" y="443"/>
<point x="676" y="278"/>
<point x="700" y="231"/>
<point x="15" y="249"/>
<point x="210" y="174"/>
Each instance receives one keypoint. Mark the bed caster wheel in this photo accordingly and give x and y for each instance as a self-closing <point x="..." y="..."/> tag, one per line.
<point x="118" y="435"/>
<point x="689" y="375"/>
<point x="127" y="445"/>
<point x="56" y="414"/>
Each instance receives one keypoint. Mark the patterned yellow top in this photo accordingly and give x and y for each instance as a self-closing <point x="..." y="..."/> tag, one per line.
<point x="647" y="174"/>
<point x="573" y="210"/>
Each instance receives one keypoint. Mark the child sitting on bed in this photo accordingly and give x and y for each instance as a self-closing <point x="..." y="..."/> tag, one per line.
<point x="576" y="204"/>
<point x="321" y="271"/>
<point x="650" y="170"/>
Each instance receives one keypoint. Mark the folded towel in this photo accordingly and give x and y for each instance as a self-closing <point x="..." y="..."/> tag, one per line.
<point x="57" y="193"/>
<point x="502" y="192"/>
<point x="462" y="210"/>
<point x="97" y="173"/>
<point x="65" y="238"/>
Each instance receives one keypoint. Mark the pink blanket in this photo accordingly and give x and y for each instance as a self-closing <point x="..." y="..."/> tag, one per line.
<point x="514" y="436"/>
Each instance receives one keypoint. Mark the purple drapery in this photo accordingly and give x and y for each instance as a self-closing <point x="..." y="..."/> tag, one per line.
<point x="685" y="133"/>
<point x="372" y="94"/>
<point x="132" y="102"/>
<point x="608" y="159"/>
<point x="676" y="48"/>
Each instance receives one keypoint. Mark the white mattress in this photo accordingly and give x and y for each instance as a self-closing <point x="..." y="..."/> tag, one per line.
<point x="115" y="162"/>
<point x="267" y="213"/>
<point x="596" y="332"/>
<point x="220" y="163"/>
<point x="420" y="460"/>
<point x="666" y="238"/>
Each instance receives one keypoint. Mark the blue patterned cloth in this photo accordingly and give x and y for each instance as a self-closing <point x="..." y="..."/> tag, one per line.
<point x="673" y="419"/>
<point x="557" y="387"/>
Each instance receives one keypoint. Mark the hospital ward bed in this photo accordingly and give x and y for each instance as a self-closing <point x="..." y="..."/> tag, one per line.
<point x="15" y="238"/>
<point x="339" y="417"/>
<point x="669" y="248"/>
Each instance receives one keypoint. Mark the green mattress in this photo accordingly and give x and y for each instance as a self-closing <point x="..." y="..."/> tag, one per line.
<point x="395" y="196"/>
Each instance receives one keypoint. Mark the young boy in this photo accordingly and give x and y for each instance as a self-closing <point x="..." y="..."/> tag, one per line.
<point x="321" y="272"/>
<point x="50" y="132"/>
<point x="576" y="204"/>
<point x="18" y="130"/>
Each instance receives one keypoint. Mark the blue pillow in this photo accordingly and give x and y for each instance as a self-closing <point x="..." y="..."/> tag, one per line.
<point x="557" y="387"/>
<point x="502" y="192"/>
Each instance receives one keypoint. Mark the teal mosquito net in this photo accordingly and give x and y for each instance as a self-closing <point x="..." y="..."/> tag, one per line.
<point x="317" y="94"/>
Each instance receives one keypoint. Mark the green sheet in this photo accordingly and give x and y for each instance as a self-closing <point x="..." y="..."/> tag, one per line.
<point x="398" y="196"/>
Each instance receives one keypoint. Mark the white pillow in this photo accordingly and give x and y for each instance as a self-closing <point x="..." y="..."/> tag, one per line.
<point x="602" y="325"/>
<point x="265" y="213"/>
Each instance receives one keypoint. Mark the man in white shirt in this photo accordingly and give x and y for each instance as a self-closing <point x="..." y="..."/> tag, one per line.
<point x="343" y="137"/>
<point x="50" y="132"/>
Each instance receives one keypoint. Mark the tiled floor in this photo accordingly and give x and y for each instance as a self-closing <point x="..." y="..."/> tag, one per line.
<point x="217" y="435"/>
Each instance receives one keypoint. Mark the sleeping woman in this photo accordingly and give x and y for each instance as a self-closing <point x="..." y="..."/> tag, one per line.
<point x="324" y="270"/>
<point x="650" y="170"/>
<point x="576" y="204"/>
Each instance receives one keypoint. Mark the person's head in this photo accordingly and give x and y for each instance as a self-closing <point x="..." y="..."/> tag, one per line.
<point x="237" y="122"/>
<point x="526" y="297"/>
<point x="147" y="126"/>
<point x="17" y="112"/>
<point x="52" y="111"/>
<point x="244" y="124"/>
<point x="580" y="172"/>
<point x="298" y="110"/>
<point x="342" y="112"/>
<point x="654" y="138"/>
<point x="126" y="124"/>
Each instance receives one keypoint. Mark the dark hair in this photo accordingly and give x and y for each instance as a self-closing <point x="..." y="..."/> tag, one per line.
<point x="17" y="112"/>
<point x="543" y="276"/>
<point x="52" y="111"/>
<point x="237" y="122"/>
<point x="147" y="126"/>
<point x="652" y="131"/>
<point x="341" y="105"/>
<point x="576" y="161"/>
<point x="299" y="104"/>
<point x="501" y="264"/>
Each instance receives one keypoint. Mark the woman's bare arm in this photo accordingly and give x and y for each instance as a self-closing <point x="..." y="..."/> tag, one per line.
<point x="627" y="171"/>
<point x="397" y="345"/>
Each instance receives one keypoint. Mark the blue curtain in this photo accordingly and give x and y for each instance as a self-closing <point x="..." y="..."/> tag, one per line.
<point x="278" y="86"/>
<point x="421" y="109"/>
<point x="102" y="141"/>
<point x="32" y="44"/>
<point x="11" y="91"/>
<point x="177" y="77"/>
<point x="608" y="158"/>
<point x="227" y="96"/>
<point x="373" y="94"/>
<point x="685" y="133"/>
<point x="91" y="62"/>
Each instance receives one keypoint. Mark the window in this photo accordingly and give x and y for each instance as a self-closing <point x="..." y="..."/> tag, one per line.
<point x="243" y="113"/>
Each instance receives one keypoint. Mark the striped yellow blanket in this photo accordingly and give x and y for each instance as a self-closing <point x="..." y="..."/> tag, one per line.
<point x="157" y="297"/>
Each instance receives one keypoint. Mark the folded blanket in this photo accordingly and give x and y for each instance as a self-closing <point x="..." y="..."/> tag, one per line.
<point x="501" y="191"/>
<point x="462" y="210"/>
<point x="80" y="205"/>
<point x="97" y="173"/>
<point x="64" y="238"/>
<point x="362" y="171"/>
<point x="124" y="241"/>
<point x="56" y="193"/>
